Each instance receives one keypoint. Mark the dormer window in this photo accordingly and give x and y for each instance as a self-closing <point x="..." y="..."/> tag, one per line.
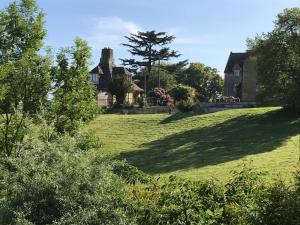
<point x="236" y="72"/>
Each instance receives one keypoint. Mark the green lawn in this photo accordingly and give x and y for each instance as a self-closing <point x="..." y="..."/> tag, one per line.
<point x="203" y="146"/>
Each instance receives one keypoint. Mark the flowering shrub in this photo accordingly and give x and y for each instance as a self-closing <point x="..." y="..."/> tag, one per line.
<point x="160" y="96"/>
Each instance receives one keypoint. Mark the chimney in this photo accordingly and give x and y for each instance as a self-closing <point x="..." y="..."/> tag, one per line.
<point x="107" y="56"/>
<point x="107" y="63"/>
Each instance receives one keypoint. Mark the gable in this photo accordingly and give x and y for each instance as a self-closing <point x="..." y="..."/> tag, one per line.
<point x="235" y="59"/>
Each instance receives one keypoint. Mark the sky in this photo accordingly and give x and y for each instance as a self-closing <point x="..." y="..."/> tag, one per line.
<point x="206" y="31"/>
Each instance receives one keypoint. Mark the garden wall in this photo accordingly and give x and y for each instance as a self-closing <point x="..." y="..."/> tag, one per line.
<point x="150" y="110"/>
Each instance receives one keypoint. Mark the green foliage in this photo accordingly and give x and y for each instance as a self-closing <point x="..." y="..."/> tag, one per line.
<point x="88" y="141"/>
<point x="215" y="86"/>
<point x="120" y="86"/>
<point x="243" y="193"/>
<point x="185" y="105"/>
<point x="142" y="101"/>
<point x="151" y="47"/>
<point x="167" y="80"/>
<point x="185" y="97"/>
<point x="281" y="204"/>
<point x="57" y="182"/>
<point x="181" y="201"/>
<point x="183" y="92"/>
<point x="245" y="200"/>
<point x="74" y="95"/>
<point x="12" y="127"/>
<point x="206" y="81"/>
<point x="278" y="60"/>
<point x="24" y="72"/>
<point x="131" y="174"/>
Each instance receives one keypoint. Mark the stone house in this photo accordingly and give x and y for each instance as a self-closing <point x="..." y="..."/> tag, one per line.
<point x="103" y="73"/>
<point x="240" y="77"/>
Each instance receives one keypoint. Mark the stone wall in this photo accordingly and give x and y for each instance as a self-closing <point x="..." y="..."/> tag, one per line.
<point x="150" y="110"/>
<point x="209" y="107"/>
<point x="249" y="80"/>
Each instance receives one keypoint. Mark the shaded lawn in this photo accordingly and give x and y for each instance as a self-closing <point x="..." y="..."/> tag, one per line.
<point x="220" y="143"/>
<point x="203" y="145"/>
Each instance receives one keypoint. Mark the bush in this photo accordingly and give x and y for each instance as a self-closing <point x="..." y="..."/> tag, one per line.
<point x="185" y="106"/>
<point x="58" y="183"/>
<point x="183" y="92"/>
<point x="131" y="174"/>
<point x="56" y="180"/>
<point x="161" y="97"/>
<point x="87" y="141"/>
<point x="185" y="97"/>
<point x="142" y="101"/>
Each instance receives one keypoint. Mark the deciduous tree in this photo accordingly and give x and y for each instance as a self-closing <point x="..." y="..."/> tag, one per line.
<point x="204" y="79"/>
<point x="278" y="59"/>
<point x="24" y="72"/>
<point x="74" y="95"/>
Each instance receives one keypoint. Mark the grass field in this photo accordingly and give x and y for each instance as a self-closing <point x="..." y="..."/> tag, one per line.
<point x="206" y="146"/>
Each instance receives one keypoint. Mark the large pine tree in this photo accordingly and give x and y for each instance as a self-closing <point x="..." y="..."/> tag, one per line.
<point x="149" y="47"/>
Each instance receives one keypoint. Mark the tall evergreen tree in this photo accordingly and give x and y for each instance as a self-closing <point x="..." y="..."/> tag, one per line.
<point x="150" y="47"/>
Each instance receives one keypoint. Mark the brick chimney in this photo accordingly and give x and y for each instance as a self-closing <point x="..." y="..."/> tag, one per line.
<point x="107" y="61"/>
<point x="107" y="56"/>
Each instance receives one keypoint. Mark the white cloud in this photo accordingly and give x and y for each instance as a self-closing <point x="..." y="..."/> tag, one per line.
<point x="110" y="31"/>
<point x="194" y="40"/>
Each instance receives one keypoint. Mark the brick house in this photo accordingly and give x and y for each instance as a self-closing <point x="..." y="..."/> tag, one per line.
<point x="102" y="74"/>
<point x="240" y="77"/>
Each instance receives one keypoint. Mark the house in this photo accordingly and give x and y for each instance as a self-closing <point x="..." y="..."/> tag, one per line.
<point x="240" y="77"/>
<point x="103" y="73"/>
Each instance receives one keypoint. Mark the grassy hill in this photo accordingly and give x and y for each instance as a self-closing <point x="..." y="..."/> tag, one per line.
<point x="204" y="146"/>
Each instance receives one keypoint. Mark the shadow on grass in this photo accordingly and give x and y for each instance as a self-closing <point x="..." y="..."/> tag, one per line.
<point x="231" y="140"/>
<point x="177" y="116"/>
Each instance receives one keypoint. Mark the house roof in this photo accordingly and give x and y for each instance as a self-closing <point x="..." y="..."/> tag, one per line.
<point x="97" y="70"/>
<point x="106" y="70"/>
<point x="137" y="88"/>
<point x="235" y="58"/>
<point x="120" y="70"/>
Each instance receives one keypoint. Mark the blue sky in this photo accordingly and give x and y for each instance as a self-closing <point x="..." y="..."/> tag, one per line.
<point x="206" y="30"/>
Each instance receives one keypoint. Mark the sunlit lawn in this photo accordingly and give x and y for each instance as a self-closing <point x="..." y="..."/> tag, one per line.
<point x="206" y="146"/>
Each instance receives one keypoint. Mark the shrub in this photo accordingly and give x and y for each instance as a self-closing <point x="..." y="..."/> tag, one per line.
<point x="58" y="182"/>
<point x="142" y="101"/>
<point x="131" y="174"/>
<point x="185" y="105"/>
<point x="160" y="97"/>
<point x="185" y="97"/>
<point x="87" y="141"/>
<point x="183" y="92"/>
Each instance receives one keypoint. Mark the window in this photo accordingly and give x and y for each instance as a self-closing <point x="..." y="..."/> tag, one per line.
<point x="236" y="72"/>
<point x="94" y="78"/>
